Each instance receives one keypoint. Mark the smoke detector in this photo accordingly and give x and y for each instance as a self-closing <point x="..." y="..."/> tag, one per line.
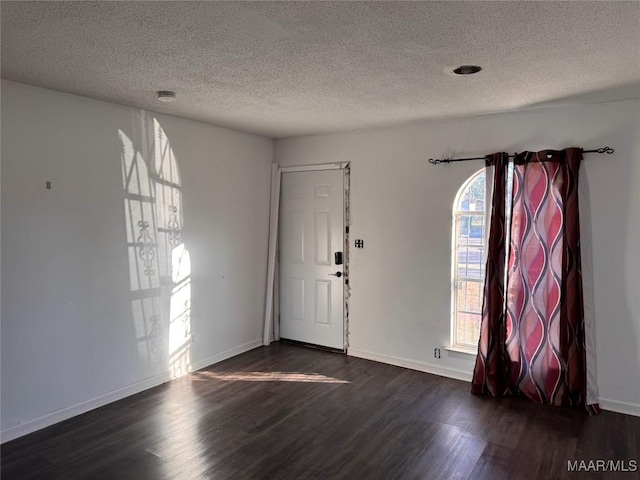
<point x="166" y="95"/>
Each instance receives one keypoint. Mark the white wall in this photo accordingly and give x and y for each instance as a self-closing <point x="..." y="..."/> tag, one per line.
<point x="70" y="340"/>
<point x="401" y="207"/>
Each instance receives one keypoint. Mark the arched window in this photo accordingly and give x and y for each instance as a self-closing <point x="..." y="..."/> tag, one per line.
<point x="469" y="242"/>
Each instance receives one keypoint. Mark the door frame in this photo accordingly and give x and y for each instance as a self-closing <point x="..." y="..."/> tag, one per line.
<point x="271" y="330"/>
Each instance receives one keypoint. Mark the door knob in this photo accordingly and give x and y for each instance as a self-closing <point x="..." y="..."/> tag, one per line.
<point x="337" y="274"/>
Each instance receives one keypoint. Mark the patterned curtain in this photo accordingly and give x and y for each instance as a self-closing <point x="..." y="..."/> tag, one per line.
<point x="489" y="375"/>
<point x="540" y="333"/>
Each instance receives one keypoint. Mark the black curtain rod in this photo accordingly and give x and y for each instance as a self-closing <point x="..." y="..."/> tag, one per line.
<point x="436" y="161"/>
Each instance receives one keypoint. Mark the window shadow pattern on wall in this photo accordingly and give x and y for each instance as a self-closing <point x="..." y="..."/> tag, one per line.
<point x="159" y="262"/>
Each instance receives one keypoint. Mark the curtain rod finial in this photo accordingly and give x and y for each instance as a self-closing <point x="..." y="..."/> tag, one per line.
<point x="607" y="150"/>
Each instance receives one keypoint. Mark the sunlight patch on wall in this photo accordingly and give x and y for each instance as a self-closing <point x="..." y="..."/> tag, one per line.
<point x="180" y="313"/>
<point x="159" y="263"/>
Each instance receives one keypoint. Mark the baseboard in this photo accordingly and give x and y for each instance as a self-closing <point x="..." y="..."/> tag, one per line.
<point x="83" y="407"/>
<point x="620" y="407"/>
<point x="218" y="357"/>
<point x="605" y="403"/>
<point x="65" y="413"/>
<point x="412" y="364"/>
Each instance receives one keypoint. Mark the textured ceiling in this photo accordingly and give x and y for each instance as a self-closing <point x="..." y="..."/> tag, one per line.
<point x="291" y="68"/>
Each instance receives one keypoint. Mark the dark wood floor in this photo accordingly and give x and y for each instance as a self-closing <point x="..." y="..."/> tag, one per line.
<point x="288" y="412"/>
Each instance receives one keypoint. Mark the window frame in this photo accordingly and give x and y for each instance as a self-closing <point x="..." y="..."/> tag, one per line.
<point x="455" y="345"/>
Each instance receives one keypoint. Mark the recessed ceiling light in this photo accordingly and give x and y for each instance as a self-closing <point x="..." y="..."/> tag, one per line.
<point x="166" y="95"/>
<point x="467" y="70"/>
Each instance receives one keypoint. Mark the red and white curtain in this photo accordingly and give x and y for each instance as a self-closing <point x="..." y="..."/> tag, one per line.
<point x="535" y="339"/>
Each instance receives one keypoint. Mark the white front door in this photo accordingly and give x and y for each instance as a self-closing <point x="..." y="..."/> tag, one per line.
<point x="311" y="233"/>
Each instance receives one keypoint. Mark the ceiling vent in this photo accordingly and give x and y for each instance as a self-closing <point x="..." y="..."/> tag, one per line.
<point x="467" y="70"/>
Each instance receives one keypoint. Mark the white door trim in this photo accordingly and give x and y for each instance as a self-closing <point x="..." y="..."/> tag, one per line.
<point x="269" y="333"/>
<point x="313" y="168"/>
<point x="271" y="258"/>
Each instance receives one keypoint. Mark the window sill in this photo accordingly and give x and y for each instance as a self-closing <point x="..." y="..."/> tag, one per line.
<point x="462" y="352"/>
